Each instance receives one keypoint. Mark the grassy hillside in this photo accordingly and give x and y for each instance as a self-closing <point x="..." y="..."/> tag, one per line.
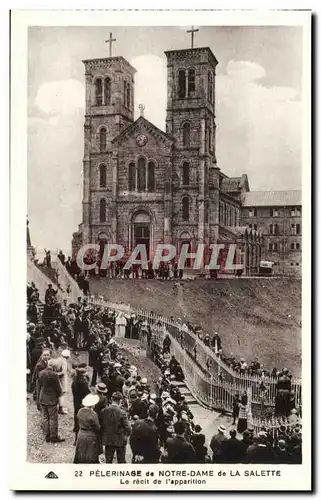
<point x="254" y="317"/>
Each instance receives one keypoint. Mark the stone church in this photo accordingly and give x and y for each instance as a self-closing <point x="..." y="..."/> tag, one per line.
<point x="142" y="185"/>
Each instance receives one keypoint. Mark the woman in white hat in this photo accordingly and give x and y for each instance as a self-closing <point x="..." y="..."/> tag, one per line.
<point x="88" y="446"/>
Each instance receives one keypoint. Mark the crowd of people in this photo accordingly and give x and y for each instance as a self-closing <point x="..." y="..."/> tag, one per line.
<point x="115" y="407"/>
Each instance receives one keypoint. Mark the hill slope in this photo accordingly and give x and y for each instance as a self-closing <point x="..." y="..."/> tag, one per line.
<point x="254" y="317"/>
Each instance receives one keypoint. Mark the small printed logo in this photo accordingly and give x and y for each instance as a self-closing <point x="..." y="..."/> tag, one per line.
<point x="51" y="475"/>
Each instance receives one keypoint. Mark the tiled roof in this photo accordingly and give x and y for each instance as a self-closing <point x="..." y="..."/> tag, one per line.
<point x="272" y="198"/>
<point x="230" y="184"/>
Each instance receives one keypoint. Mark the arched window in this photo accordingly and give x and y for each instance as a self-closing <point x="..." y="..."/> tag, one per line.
<point x="151" y="176"/>
<point x="102" y="139"/>
<point x="141" y="175"/>
<point x="128" y="96"/>
<point x="209" y="86"/>
<point x="107" y="91"/>
<point x="181" y="84"/>
<point x="131" y="176"/>
<point x="210" y="138"/>
<point x="185" y="173"/>
<point x="185" y="208"/>
<point x="102" y="176"/>
<point x="125" y="92"/>
<point x="102" y="210"/>
<point x="99" y="92"/>
<point x="191" y="82"/>
<point x="186" y="134"/>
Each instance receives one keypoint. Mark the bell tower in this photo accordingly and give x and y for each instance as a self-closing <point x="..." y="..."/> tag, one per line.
<point x="190" y="121"/>
<point x="109" y="110"/>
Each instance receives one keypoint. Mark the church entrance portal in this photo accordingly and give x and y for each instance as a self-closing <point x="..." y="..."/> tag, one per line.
<point x="142" y="236"/>
<point x="185" y="239"/>
<point x="141" y="231"/>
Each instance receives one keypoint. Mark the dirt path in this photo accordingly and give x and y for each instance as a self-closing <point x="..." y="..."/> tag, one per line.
<point x="40" y="451"/>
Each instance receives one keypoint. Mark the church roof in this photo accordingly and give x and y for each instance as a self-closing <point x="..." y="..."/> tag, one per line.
<point x="107" y="62"/>
<point x="234" y="184"/>
<point x="272" y="198"/>
<point x="191" y="53"/>
<point x="150" y="127"/>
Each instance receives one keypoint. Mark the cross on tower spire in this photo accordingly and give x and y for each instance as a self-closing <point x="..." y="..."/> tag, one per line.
<point x="192" y="31"/>
<point x="110" y="41"/>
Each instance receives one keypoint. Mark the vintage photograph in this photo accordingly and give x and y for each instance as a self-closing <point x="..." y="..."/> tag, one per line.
<point x="164" y="245"/>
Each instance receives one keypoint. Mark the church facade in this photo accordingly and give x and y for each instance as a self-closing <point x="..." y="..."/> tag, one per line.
<point x="142" y="185"/>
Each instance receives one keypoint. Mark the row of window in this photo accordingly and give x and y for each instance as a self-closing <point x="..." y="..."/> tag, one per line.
<point x="141" y="176"/>
<point x="277" y="246"/>
<point x="186" y="84"/>
<point x="228" y="215"/>
<point x="275" y="212"/>
<point x="275" y="230"/>
<point x="103" y="92"/>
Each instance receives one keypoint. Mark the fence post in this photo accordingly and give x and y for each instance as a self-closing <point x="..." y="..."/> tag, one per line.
<point x="249" y="408"/>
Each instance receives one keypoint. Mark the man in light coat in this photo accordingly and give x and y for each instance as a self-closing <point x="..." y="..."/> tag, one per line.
<point x="62" y="371"/>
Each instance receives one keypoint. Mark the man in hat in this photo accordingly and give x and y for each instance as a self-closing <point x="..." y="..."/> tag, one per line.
<point x="49" y="393"/>
<point x="80" y="389"/>
<point x="281" y="453"/>
<point x="179" y="451"/>
<point x="115" y="429"/>
<point x="137" y="406"/>
<point x="261" y="452"/>
<point x="62" y="370"/>
<point x="216" y="443"/>
<point x="101" y="391"/>
<point x="41" y="365"/>
<point x="144" y="440"/>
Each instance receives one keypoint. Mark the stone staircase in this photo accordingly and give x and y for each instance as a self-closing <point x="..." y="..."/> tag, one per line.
<point x="184" y="390"/>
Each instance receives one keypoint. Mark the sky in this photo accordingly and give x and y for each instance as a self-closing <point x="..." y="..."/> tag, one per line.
<point x="258" y="108"/>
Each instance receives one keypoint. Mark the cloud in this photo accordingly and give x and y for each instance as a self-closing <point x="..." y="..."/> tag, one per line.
<point x="150" y="87"/>
<point x="245" y="70"/>
<point x="61" y="96"/>
<point x="258" y="128"/>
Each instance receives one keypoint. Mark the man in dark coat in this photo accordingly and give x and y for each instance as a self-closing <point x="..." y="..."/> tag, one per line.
<point x="137" y="406"/>
<point x="179" y="451"/>
<point x="49" y="392"/>
<point x="41" y="365"/>
<point x="232" y="450"/>
<point x="167" y="344"/>
<point x="115" y="430"/>
<point x="144" y="440"/>
<point x="216" y="342"/>
<point x="261" y="452"/>
<point x="79" y="389"/>
<point x="36" y="353"/>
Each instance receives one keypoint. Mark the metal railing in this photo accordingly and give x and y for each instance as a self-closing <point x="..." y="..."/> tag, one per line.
<point x="216" y="386"/>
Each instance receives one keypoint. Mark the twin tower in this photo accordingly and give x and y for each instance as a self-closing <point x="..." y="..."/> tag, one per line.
<point x="143" y="185"/>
